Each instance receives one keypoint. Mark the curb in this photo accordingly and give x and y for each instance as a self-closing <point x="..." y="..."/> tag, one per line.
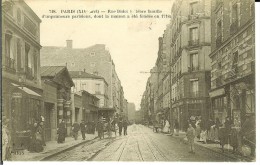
<point x="65" y="149"/>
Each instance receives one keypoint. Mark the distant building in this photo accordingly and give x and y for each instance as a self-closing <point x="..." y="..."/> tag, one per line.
<point x="131" y="112"/>
<point x="94" y="59"/>
<point x="91" y="83"/>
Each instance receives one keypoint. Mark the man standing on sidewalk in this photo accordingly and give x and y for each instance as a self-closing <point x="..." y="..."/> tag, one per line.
<point x="120" y="125"/>
<point x="125" y="124"/>
<point x="83" y="129"/>
<point x="190" y="136"/>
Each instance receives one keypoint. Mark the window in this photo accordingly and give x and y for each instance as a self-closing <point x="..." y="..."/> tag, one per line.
<point x="30" y="25"/>
<point x="92" y="64"/>
<point x="194" y="87"/>
<point x="92" y="54"/>
<point x="193" y="8"/>
<point x="194" y="34"/>
<point x="84" y="86"/>
<point x="219" y="28"/>
<point x="97" y="89"/>
<point x="19" y="16"/>
<point x="9" y="58"/>
<point x="194" y="61"/>
<point x="234" y="12"/>
<point x="19" y="54"/>
<point x="252" y="9"/>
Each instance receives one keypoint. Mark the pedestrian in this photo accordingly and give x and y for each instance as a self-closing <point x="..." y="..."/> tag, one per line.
<point x="75" y="130"/>
<point x="61" y="132"/>
<point x="217" y="125"/>
<point x="166" y="128"/>
<point x="83" y="129"/>
<point x="190" y="136"/>
<point x="120" y="125"/>
<point x="39" y="138"/>
<point x="198" y="129"/>
<point x="100" y="128"/>
<point x="125" y="124"/>
<point x="177" y="127"/>
<point x="6" y="147"/>
<point x="93" y="126"/>
<point x="42" y="132"/>
<point x="109" y="128"/>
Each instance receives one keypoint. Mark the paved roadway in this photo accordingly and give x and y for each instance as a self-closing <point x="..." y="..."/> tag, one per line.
<point x="141" y="144"/>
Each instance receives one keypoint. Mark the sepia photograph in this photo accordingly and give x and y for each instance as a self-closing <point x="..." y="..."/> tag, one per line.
<point x="128" y="81"/>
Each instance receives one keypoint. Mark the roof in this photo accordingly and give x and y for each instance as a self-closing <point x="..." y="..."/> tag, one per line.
<point x="82" y="74"/>
<point x="55" y="72"/>
<point x="50" y="71"/>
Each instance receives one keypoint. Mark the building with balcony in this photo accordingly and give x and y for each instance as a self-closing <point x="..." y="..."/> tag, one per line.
<point x="21" y="82"/>
<point x="190" y="62"/>
<point x="232" y="91"/>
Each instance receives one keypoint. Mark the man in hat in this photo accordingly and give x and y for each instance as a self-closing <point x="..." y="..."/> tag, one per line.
<point x="83" y="129"/>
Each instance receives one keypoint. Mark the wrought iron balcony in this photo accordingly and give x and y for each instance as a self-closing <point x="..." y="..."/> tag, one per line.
<point x="10" y="64"/>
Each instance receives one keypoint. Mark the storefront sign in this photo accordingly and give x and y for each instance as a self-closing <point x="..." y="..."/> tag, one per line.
<point x="17" y="95"/>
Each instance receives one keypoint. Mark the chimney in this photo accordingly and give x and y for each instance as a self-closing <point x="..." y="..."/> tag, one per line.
<point x="84" y="70"/>
<point x="69" y="44"/>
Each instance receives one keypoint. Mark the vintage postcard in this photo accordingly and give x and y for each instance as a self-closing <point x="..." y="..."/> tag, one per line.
<point x="130" y="80"/>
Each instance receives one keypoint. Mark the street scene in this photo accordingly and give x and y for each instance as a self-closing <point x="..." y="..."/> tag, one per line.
<point x="133" y="81"/>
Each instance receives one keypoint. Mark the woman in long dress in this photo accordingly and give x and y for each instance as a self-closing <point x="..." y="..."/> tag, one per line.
<point x="166" y="128"/>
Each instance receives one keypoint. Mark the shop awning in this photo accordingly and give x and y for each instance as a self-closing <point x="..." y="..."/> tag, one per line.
<point x="26" y="90"/>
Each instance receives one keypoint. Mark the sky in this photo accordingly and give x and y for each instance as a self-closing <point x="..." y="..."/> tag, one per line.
<point x="133" y="42"/>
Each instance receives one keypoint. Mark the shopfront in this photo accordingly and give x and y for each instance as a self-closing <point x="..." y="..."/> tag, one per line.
<point x="23" y="106"/>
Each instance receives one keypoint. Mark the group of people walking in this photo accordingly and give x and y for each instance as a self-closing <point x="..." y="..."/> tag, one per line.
<point x="109" y="126"/>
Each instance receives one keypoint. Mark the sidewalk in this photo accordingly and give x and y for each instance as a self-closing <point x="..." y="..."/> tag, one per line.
<point x="214" y="147"/>
<point x="52" y="147"/>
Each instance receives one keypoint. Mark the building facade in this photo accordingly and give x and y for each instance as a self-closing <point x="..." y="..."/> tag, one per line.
<point x="91" y="83"/>
<point x="94" y="59"/>
<point x="232" y="60"/>
<point x="190" y="62"/>
<point x="21" y="83"/>
<point x="56" y="83"/>
<point x="131" y="112"/>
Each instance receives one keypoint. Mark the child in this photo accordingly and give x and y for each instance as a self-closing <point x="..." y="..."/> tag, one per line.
<point x="190" y="136"/>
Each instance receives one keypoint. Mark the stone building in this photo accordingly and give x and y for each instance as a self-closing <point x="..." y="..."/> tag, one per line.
<point x="91" y="83"/>
<point x="190" y="62"/>
<point x="232" y="60"/>
<point x="95" y="59"/>
<point x="21" y="83"/>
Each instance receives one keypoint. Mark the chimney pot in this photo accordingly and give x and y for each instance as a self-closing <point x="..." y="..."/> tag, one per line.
<point x="69" y="44"/>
